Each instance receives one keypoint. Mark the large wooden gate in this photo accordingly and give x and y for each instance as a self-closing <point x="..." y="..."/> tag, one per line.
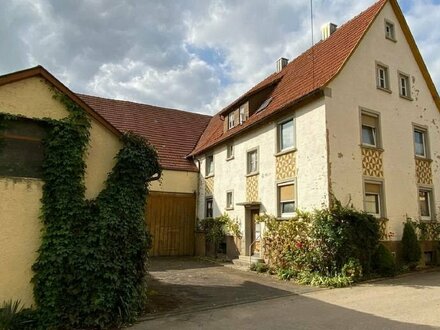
<point x="171" y="221"/>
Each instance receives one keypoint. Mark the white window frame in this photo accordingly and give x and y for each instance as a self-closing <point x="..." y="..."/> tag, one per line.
<point x="230" y="151"/>
<point x="248" y="162"/>
<point x="280" y="135"/>
<point x="379" y="206"/>
<point x="390" y="30"/>
<point x="429" y="194"/>
<point x="231" y="120"/>
<point x="424" y="133"/>
<point x="242" y="114"/>
<point x="280" y="203"/>
<point x="374" y="132"/>
<point x="209" y="170"/>
<point x="386" y="81"/>
<point x="380" y="198"/>
<point x="230" y="206"/>
<point x="407" y="82"/>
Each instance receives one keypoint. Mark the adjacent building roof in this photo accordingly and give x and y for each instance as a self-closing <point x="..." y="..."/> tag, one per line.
<point x="174" y="133"/>
<point x="309" y="72"/>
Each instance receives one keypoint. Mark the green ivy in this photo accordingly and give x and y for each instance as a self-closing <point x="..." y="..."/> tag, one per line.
<point x="91" y="267"/>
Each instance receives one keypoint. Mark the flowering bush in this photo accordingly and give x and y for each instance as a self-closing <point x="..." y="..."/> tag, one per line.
<point x="334" y="243"/>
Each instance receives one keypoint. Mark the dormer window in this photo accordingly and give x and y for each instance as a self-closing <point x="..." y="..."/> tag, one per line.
<point x="242" y="114"/>
<point x="264" y="105"/>
<point x="231" y="120"/>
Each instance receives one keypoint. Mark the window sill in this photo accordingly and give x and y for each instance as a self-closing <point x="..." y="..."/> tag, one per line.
<point x="20" y="178"/>
<point x="427" y="219"/>
<point x="286" y="151"/>
<point x="367" y="146"/>
<point x="423" y="158"/>
<point x="209" y="176"/>
<point x="230" y="158"/>
<point x="387" y="90"/>
<point x="252" y="174"/>
<point x="229" y="208"/>
<point x="391" y="39"/>
<point x="408" y="98"/>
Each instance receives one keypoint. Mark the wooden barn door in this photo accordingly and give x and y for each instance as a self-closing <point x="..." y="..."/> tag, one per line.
<point x="171" y="221"/>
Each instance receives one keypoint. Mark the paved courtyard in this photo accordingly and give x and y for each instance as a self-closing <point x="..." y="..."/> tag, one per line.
<point x="189" y="294"/>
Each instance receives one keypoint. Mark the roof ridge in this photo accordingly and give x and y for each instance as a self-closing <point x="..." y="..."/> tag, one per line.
<point x="144" y="104"/>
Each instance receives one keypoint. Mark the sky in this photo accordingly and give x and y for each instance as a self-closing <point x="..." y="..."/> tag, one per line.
<point x="194" y="55"/>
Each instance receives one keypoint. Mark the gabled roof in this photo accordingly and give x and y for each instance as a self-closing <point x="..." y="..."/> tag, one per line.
<point x="40" y="71"/>
<point x="309" y="74"/>
<point x="173" y="133"/>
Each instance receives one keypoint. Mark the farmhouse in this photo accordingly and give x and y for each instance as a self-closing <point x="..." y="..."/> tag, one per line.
<point x="355" y="117"/>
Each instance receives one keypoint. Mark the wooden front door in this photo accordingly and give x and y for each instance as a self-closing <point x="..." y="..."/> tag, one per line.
<point x="170" y="220"/>
<point x="255" y="232"/>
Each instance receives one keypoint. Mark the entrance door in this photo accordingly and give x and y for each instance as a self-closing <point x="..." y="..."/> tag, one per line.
<point x="255" y="232"/>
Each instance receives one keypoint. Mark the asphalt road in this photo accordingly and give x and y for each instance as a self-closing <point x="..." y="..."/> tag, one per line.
<point x="409" y="302"/>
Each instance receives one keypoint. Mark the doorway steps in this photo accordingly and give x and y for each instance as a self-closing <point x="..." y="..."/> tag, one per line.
<point x="246" y="261"/>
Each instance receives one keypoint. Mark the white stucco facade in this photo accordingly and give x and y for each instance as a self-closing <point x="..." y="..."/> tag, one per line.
<point x="355" y="89"/>
<point x="329" y="157"/>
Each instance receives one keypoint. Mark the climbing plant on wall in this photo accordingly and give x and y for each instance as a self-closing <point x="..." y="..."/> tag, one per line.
<point x="90" y="271"/>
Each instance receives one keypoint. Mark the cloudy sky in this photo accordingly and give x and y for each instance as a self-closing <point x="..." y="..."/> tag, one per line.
<point x="196" y="55"/>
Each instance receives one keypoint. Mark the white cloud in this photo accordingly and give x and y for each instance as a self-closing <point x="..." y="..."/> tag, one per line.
<point x="197" y="55"/>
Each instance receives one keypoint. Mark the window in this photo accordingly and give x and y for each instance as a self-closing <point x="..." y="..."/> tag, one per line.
<point x="229" y="200"/>
<point x="373" y="199"/>
<point x="21" y="148"/>
<point x="242" y="114"/>
<point x="425" y="204"/>
<point x="264" y="105"/>
<point x="231" y="122"/>
<point x="209" y="170"/>
<point x="404" y="86"/>
<point x="208" y="208"/>
<point x="382" y="77"/>
<point x="252" y="162"/>
<point x="286" y="197"/>
<point x="230" y="151"/>
<point x="370" y="129"/>
<point x="389" y="31"/>
<point x="286" y="135"/>
<point x="420" y="143"/>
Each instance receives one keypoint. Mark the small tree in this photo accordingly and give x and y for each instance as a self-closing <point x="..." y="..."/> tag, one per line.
<point x="411" y="251"/>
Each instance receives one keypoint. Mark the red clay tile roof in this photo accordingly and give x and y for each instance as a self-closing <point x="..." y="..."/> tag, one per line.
<point x="173" y="133"/>
<point x="300" y="78"/>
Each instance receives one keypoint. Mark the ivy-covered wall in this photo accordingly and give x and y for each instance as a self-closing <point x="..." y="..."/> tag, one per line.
<point x="90" y="271"/>
<point x="21" y="226"/>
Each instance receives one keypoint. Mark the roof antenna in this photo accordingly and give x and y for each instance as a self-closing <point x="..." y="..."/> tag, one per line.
<point x="313" y="42"/>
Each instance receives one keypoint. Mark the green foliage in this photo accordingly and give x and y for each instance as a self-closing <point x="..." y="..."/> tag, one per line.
<point x="383" y="262"/>
<point x="427" y="231"/>
<point x="14" y="317"/>
<point x="90" y="272"/>
<point x="335" y="243"/>
<point x="411" y="251"/>
<point x="352" y="269"/>
<point x="316" y="279"/>
<point x="286" y="274"/>
<point x="259" y="267"/>
<point x="215" y="229"/>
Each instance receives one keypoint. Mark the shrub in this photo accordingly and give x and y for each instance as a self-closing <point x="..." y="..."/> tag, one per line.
<point x="316" y="279"/>
<point x="215" y="229"/>
<point x="383" y="262"/>
<point x="352" y="269"/>
<point x="411" y="251"/>
<point x="286" y="274"/>
<point x="332" y="246"/>
<point x="14" y="317"/>
<point x="259" y="267"/>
